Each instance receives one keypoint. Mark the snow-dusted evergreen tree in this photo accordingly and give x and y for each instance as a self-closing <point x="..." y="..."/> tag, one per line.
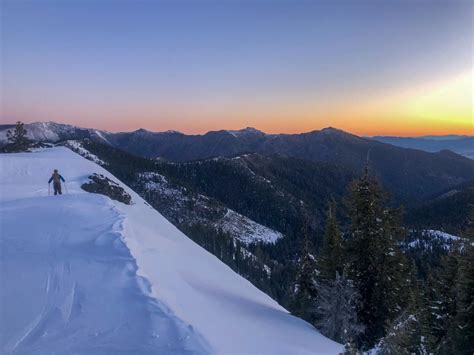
<point x="331" y="258"/>
<point x="402" y="337"/>
<point x="461" y="332"/>
<point x="351" y="349"/>
<point x="336" y="309"/>
<point x="376" y="264"/>
<point x="305" y="290"/>
<point x="422" y="339"/>
<point x="17" y="138"/>
<point x="435" y="308"/>
<point x="444" y="305"/>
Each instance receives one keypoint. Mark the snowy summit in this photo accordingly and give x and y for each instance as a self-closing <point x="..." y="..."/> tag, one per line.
<point x="83" y="274"/>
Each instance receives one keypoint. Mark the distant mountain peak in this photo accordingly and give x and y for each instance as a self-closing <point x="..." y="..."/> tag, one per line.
<point x="145" y="131"/>
<point x="328" y="130"/>
<point x="141" y="130"/>
<point x="246" y="131"/>
<point x="339" y="133"/>
<point x="251" y="130"/>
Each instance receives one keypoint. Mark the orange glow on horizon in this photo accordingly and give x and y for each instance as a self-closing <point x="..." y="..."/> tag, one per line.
<point x="437" y="108"/>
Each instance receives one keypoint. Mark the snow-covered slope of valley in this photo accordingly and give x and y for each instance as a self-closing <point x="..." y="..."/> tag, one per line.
<point x="82" y="274"/>
<point x="175" y="202"/>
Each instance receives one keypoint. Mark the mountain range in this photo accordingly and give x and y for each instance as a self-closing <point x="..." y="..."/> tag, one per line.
<point x="411" y="175"/>
<point x="463" y="145"/>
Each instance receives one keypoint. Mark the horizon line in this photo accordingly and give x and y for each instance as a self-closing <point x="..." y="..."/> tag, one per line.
<point x="242" y="129"/>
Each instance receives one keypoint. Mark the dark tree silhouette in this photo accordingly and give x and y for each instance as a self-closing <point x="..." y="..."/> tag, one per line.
<point x="18" y="141"/>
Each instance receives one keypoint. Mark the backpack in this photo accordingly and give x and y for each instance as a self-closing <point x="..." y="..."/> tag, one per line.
<point x="56" y="178"/>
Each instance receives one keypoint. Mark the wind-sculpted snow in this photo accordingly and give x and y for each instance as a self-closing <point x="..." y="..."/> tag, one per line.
<point x="76" y="290"/>
<point x="82" y="274"/>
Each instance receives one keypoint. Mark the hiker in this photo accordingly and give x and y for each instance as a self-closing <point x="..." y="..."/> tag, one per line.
<point x="56" y="179"/>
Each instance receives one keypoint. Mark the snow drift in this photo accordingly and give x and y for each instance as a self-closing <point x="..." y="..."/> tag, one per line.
<point x="81" y="273"/>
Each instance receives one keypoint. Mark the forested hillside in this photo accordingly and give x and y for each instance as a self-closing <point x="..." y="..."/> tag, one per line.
<point x="446" y="211"/>
<point x="346" y="260"/>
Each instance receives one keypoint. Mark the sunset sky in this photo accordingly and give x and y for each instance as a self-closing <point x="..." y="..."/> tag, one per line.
<point x="394" y="67"/>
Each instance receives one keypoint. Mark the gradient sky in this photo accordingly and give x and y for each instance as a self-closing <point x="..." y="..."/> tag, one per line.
<point x="394" y="67"/>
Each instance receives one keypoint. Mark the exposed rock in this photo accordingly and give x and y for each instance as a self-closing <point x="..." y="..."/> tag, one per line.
<point x="101" y="184"/>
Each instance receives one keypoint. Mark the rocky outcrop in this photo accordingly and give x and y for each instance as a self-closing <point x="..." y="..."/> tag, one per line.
<point x="101" y="184"/>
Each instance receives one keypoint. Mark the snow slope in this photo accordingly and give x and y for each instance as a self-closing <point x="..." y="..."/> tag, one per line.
<point x="81" y="273"/>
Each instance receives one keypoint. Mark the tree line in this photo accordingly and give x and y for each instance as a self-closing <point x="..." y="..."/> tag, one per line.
<point x="362" y="290"/>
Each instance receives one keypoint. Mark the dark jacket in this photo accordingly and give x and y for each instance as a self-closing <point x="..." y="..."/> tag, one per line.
<point x="56" y="178"/>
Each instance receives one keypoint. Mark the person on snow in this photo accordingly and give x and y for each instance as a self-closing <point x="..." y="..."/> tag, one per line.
<point x="56" y="179"/>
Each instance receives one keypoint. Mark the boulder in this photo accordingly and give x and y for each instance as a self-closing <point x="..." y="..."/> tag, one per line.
<point x="101" y="184"/>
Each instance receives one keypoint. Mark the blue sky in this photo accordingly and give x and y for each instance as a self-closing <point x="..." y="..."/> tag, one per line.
<point x="199" y="65"/>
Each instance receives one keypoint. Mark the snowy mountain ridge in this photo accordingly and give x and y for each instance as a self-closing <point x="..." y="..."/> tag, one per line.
<point x="421" y="174"/>
<point x="90" y="275"/>
<point x="176" y="202"/>
<point x="77" y="147"/>
<point x="54" y="132"/>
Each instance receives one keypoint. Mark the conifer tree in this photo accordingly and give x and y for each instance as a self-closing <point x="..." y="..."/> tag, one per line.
<point x="375" y="261"/>
<point x="406" y="334"/>
<point x="443" y="306"/>
<point x="397" y="339"/>
<point x="461" y="332"/>
<point x="394" y="272"/>
<point x="351" y="349"/>
<point x="331" y="258"/>
<point x="426" y="317"/>
<point x="17" y="138"/>
<point x="305" y="290"/>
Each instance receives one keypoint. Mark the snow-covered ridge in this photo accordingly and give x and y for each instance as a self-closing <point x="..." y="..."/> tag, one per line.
<point x="40" y="131"/>
<point x="83" y="274"/>
<point x="77" y="147"/>
<point x="55" y="132"/>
